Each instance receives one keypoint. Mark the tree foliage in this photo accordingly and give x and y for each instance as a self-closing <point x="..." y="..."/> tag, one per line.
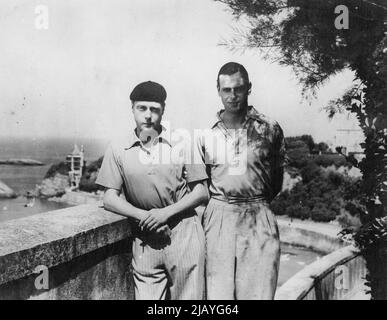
<point x="89" y="177"/>
<point x="302" y="149"/>
<point x="61" y="167"/>
<point x="302" y="34"/>
<point x="320" y="196"/>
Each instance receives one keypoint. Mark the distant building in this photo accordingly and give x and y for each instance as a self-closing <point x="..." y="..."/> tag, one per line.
<point x="349" y="140"/>
<point x="75" y="160"/>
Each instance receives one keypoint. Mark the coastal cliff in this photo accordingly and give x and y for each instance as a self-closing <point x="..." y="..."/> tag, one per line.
<point x="53" y="186"/>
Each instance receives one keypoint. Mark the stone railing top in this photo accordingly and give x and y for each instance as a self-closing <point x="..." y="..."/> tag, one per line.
<point x="55" y="237"/>
<point x="328" y="229"/>
<point x="301" y="283"/>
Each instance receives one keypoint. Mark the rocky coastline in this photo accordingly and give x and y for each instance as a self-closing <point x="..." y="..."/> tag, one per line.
<point x="56" y="184"/>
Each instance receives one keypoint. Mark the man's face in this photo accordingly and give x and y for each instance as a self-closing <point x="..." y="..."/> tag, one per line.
<point x="233" y="90"/>
<point x="148" y="115"/>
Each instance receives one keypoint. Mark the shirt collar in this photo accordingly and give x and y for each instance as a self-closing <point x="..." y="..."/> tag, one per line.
<point x="133" y="140"/>
<point x="252" y="113"/>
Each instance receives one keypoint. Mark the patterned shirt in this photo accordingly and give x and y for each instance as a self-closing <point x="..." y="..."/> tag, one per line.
<point x="244" y="164"/>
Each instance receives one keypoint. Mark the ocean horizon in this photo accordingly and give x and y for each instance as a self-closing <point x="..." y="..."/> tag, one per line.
<point x="25" y="178"/>
<point x="47" y="150"/>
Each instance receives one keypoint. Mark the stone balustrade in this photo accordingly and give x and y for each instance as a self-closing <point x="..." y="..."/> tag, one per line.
<point x="84" y="249"/>
<point x="85" y="252"/>
<point x="336" y="276"/>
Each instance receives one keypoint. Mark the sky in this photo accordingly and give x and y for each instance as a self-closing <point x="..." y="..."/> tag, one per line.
<point x="74" y="78"/>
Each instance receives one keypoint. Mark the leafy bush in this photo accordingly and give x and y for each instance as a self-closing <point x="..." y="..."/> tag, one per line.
<point x="88" y="184"/>
<point x="301" y="149"/>
<point x="89" y="177"/>
<point x="320" y="196"/>
<point x="60" y="167"/>
<point x="281" y="204"/>
<point x="306" y="139"/>
<point x="323" y="147"/>
<point x="298" y="211"/>
<point x="94" y="166"/>
<point x="326" y="160"/>
<point x="322" y="213"/>
<point x="310" y="171"/>
<point x="298" y="154"/>
<point x="335" y="178"/>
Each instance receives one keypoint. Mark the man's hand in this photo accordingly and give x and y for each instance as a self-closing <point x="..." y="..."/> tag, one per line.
<point x="155" y="219"/>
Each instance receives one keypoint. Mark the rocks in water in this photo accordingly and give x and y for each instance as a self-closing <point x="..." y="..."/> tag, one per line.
<point x="56" y="181"/>
<point x="22" y="162"/>
<point x="6" y="192"/>
<point x="54" y="186"/>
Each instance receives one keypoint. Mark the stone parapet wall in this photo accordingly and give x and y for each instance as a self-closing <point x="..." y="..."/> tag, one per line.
<point x="336" y="276"/>
<point x="85" y="249"/>
<point x="86" y="253"/>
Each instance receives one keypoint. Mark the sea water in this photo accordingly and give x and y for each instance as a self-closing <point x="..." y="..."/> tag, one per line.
<point x="25" y="178"/>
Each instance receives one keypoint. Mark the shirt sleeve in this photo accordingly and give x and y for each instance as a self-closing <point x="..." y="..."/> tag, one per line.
<point x="195" y="168"/>
<point x="279" y="147"/>
<point x="109" y="175"/>
<point x="278" y="159"/>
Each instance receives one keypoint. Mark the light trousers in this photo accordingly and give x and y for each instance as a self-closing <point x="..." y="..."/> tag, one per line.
<point x="174" y="270"/>
<point x="242" y="251"/>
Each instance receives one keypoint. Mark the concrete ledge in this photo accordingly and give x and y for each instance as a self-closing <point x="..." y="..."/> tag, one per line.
<point x="101" y="274"/>
<point x="317" y="280"/>
<point x="56" y="237"/>
<point x="323" y="239"/>
<point x="87" y="253"/>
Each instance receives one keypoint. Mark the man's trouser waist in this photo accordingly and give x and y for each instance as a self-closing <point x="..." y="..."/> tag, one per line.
<point x="240" y="200"/>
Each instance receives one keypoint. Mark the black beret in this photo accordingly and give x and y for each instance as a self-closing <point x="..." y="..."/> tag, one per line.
<point x="149" y="91"/>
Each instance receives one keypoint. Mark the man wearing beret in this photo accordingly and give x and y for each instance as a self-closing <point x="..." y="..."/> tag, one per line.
<point x="168" y="239"/>
<point x="242" y="239"/>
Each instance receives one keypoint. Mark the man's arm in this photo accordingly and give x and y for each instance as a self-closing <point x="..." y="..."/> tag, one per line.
<point x="199" y="195"/>
<point x="113" y="202"/>
<point x="278" y="177"/>
<point x="278" y="161"/>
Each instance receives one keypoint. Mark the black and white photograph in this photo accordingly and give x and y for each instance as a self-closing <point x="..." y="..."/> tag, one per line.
<point x="193" y="150"/>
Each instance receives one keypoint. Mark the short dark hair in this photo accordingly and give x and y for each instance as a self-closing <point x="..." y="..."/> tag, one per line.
<point x="231" y="68"/>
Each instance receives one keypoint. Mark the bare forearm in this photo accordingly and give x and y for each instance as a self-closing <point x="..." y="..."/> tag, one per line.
<point x="113" y="202"/>
<point x="159" y="217"/>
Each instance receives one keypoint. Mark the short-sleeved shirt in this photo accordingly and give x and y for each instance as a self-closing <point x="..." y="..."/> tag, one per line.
<point x="246" y="163"/>
<point x="150" y="178"/>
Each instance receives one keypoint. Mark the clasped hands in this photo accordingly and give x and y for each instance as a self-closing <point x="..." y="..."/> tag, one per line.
<point x="155" y="220"/>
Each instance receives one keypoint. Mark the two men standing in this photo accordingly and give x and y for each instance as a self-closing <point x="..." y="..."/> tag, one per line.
<point x="242" y="242"/>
